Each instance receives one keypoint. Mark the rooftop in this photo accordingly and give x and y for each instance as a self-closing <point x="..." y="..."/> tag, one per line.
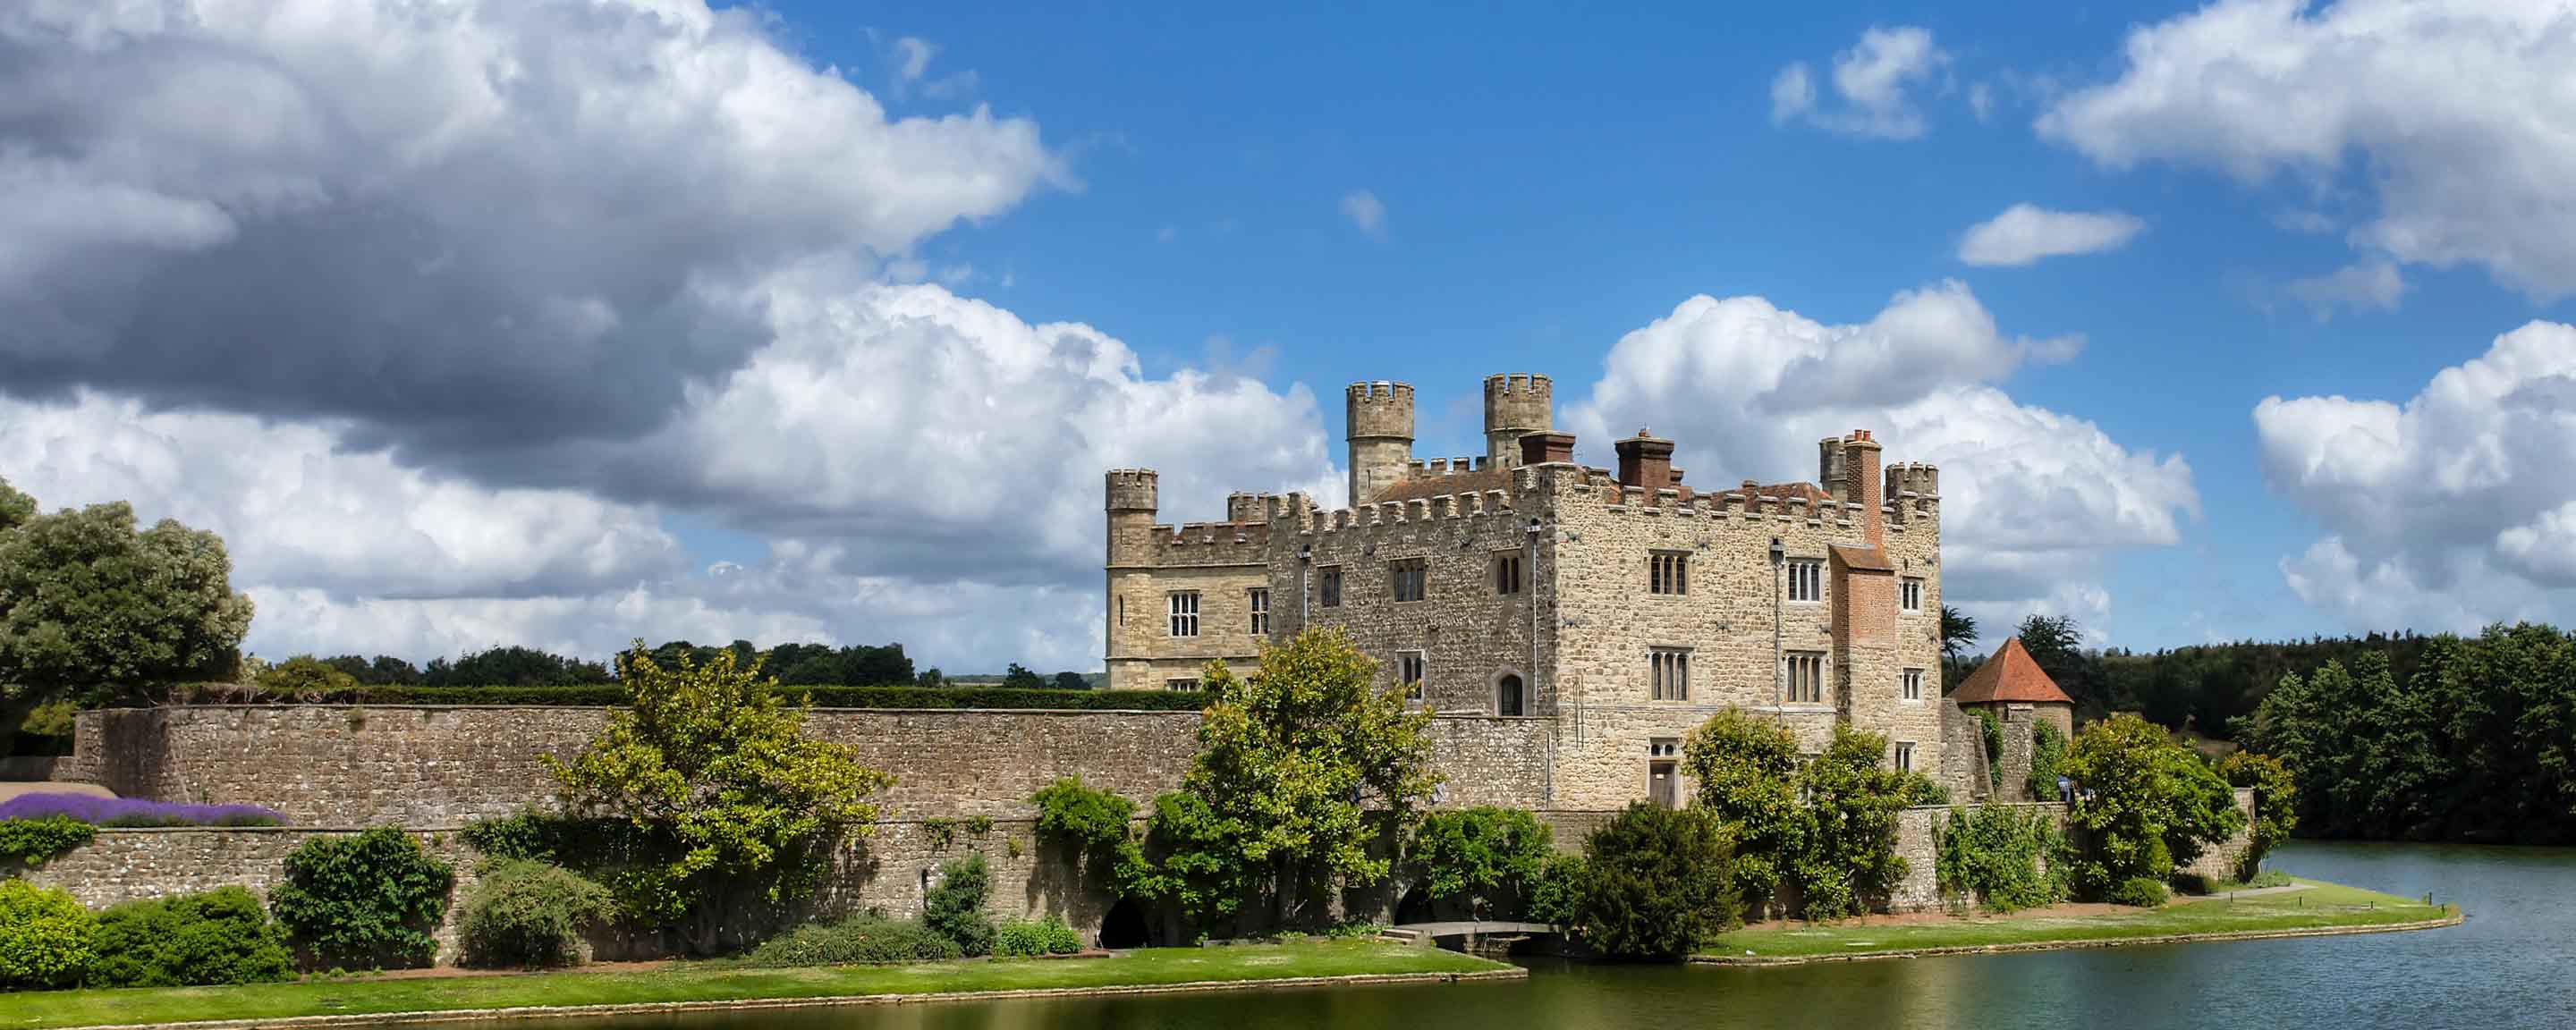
<point x="2011" y="675"/>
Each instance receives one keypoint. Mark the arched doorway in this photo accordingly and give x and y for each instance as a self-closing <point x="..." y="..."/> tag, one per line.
<point x="1509" y="696"/>
<point x="1124" y="926"/>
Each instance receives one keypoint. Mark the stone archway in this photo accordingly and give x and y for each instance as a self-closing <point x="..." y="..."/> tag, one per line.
<point x="1511" y="694"/>
<point x="1124" y="926"/>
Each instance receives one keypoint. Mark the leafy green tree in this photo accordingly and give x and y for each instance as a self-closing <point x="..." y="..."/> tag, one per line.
<point x="88" y="603"/>
<point x="2275" y="804"/>
<point x="1302" y="771"/>
<point x="1484" y="853"/>
<point x="1655" y="884"/>
<point x="1071" y="681"/>
<point x="931" y="677"/>
<point x="711" y="761"/>
<point x="1747" y="769"/>
<point x="1846" y="858"/>
<point x="1020" y="678"/>
<point x="2146" y="805"/>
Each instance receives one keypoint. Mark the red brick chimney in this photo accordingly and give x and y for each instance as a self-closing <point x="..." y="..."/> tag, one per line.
<point x="1547" y="448"/>
<point x="1646" y="461"/>
<point x="1863" y="486"/>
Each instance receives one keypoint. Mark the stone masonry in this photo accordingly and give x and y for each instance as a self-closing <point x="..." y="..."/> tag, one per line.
<point x="1524" y="583"/>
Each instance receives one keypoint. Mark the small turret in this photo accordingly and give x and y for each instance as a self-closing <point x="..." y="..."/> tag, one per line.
<point x="1132" y="498"/>
<point x="1516" y="405"/>
<point x="1381" y="436"/>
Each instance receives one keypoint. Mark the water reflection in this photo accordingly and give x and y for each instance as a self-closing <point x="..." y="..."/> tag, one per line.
<point x="2512" y="965"/>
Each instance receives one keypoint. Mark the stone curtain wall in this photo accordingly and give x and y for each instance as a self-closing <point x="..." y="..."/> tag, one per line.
<point x="445" y="766"/>
<point x="2219" y="863"/>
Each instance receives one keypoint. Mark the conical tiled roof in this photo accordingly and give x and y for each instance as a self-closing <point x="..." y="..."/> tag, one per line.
<point x="2011" y="675"/>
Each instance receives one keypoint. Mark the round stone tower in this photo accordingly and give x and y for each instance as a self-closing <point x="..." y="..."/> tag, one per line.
<point x="1131" y="507"/>
<point x="1381" y="436"/>
<point x="1515" y="406"/>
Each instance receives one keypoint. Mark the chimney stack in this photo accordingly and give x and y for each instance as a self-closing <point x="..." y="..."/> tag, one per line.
<point x="1646" y="461"/>
<point x="1862" y="485"/>
<point x="1547" y="449"/>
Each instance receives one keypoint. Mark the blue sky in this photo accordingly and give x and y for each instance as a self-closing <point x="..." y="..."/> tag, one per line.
<point x="811" y="320"/>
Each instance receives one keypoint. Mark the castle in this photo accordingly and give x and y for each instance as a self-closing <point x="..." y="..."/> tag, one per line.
<point x="1621" y="608"/>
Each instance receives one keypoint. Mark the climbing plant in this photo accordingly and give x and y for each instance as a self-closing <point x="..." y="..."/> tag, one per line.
<point x="2002" y="857"/>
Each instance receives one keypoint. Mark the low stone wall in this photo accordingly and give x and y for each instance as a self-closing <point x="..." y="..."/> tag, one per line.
<point x="891" y="869"/>
<point x="1918" y="840"/>
<point x="411" y="765"/>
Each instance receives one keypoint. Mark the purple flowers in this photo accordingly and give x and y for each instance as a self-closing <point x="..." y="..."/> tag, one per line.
<point x="99" y="811"/>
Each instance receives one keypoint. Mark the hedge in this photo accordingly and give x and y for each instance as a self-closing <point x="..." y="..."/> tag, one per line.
<point x="610" y="695"/>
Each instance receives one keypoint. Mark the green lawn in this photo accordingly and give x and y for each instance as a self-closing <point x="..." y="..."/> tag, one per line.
<point x="2322" y="905"/>
<point x="682" y="982"/>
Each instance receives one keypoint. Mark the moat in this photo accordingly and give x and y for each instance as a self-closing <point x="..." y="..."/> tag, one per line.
<point x="2508" y="966"/>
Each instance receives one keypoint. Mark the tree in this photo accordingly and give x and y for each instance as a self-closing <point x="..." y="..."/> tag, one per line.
<point x="1958" y="634"/>
<point x="1020" y="678"/>
<point x="710" y="762"/>
<point x="515" y="666"/>
<point x="303" y="676"/>
<point x="1484" y="853"/>
<point x="1302" y="770"/>
<point x="1747" y="769"/>
<point x="1655" y="884"/>
<point x="955" y="908"/>
<point x="2145" y="804"/>
<point x="87" y="602"/>
<point x="1846" y="846"/>
<point x="932" y="677"/>
<point x="2057" y="644"/>
<point x="1071" y="681"/>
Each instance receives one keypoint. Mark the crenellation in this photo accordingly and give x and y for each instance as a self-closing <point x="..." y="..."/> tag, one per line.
<point x="1557" y="610"/>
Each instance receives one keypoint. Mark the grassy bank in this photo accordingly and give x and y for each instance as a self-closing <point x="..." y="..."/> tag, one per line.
<point x="2316" y="907"/>
<point x="713" y="983"/>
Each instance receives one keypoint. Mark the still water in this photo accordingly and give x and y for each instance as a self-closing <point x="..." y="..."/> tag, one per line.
<point x="2513" y="964"/>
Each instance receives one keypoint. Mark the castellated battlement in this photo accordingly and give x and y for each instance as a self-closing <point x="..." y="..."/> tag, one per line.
<point x="1133" y="490"/>
<point x="1296" y="513"/>
<point x="1429" y="468"/>
<point x="1381" y="409"/>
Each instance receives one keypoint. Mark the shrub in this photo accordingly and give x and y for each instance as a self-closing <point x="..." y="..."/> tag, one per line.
<point x="2006" y="858"/>
<point x="221" y="936"/>
<point x="2139" y="891"/>
<point x="1481" y="852"/>
<point x="529" y="915"/>
<point x="871" y="939"/>
<point x="1555" y="896"/>
<point x="1656" y="883"/>
<point x="129" y="812"/>
<point x="955" y="908"/>
<point x="27" y="843"/>
<point x="1048" y="936"/>
<point x="46" y="938"/>
<point x="364" y="902"/>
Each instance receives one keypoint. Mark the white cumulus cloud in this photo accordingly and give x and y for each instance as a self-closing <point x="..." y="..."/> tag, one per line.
<point x="1873" y="85"/>
<point x="2025" y="233"/>
<point x="1365" y="211"/>
<point x="2447" y="510"/>
<point x="2032" y="499"/>
<point x="2460" y="118"/>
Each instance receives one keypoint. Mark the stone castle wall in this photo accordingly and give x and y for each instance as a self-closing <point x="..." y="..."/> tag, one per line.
<point x="891" y="869"/>
<point x="1918" y="837"/>
<point x="334" y="765"/>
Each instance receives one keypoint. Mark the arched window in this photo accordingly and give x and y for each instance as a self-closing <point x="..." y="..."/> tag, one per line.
<point x="1509" y="697"/>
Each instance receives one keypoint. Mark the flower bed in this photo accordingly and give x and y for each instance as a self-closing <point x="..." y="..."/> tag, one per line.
<point x="129" y="812"/>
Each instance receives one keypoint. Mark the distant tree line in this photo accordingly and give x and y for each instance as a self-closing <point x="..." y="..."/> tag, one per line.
<point x="2207" y="687"/>
<point x="2474" y="739"/>
<point x="795" y="665"/>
